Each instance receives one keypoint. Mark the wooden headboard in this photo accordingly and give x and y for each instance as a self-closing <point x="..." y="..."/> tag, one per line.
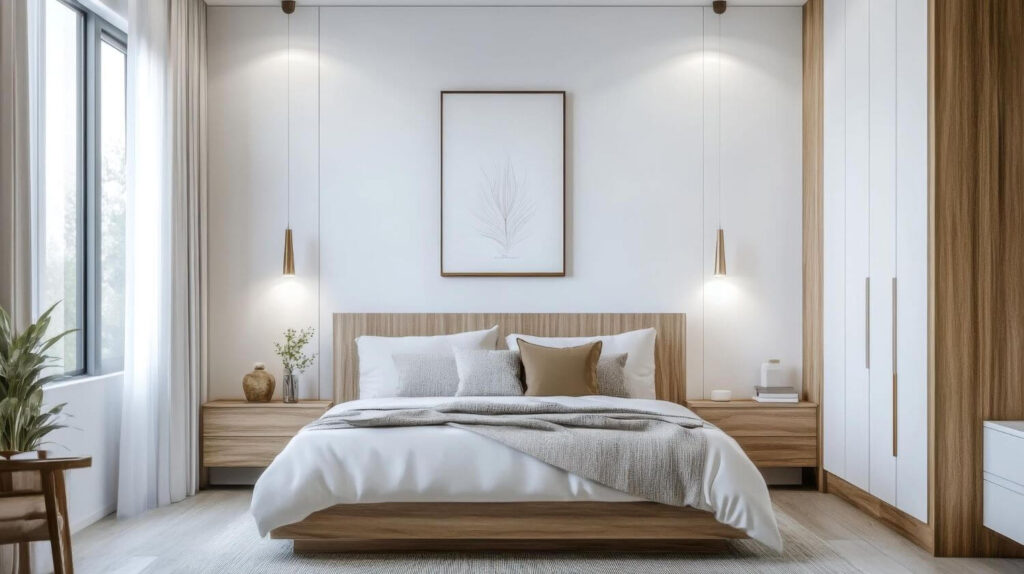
<point x="669" y="353"/>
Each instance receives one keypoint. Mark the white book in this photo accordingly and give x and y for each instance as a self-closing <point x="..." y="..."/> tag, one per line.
<point x="776" y="400"/>
<point x="772" y="391"/>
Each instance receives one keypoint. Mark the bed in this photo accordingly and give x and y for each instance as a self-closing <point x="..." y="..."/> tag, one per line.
<point x="440" y="487"/>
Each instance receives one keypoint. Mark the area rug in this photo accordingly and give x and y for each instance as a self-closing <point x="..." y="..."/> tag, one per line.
<point x="233" y="546"/>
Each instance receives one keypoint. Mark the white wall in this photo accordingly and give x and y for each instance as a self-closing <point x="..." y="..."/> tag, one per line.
<point x="94" y="429"/>
<point x="642" y="135"/>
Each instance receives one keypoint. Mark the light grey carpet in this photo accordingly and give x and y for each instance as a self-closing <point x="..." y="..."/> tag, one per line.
<point x="234" y="547"/>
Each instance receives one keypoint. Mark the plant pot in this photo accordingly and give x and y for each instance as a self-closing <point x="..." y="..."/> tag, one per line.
<point x="290" y="392"/>
<point x="21" y="479"/>
<point x="23" y="454"/>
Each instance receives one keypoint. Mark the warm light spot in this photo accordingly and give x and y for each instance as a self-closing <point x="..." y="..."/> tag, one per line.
<point x="289" y="295"/>
<point x="720" y="291"/>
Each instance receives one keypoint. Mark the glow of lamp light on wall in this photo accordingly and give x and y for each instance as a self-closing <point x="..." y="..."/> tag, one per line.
<point x="720" y="292"/>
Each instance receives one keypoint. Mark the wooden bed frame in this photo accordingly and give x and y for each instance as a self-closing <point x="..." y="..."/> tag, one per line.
<point x="633" y="526"/>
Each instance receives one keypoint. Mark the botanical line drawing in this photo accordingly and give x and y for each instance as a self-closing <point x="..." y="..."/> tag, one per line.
<point x="505" y="209"/>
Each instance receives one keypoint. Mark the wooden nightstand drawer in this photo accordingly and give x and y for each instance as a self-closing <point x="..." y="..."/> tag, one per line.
<point x="256" y="421"/>
<point x="242" y="451"/>
<point x="237" y="433"/>
<point x="780" y="451"/>
<point x="776" y="421"/>
<point x="772" y="434"/>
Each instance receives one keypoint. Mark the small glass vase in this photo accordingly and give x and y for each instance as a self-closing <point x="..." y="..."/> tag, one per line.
<point x="290" y="392"/>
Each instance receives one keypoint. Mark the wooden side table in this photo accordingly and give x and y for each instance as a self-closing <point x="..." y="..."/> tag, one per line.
<point x="772" y="434"/>
<point x="244" y="434"/>
<point x="35" y="507"/>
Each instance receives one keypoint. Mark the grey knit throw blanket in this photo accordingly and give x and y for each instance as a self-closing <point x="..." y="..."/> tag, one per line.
<point x="647" y="454"/>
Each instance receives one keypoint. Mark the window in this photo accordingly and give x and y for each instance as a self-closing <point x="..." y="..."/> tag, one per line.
<point x="80" y="200"/>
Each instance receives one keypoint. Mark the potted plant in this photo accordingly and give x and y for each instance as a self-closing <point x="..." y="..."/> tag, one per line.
<point x="294" y="359"/>
<point x="23" y="421"/>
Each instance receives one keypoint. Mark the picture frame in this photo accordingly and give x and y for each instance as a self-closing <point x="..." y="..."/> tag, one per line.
<point x="503" y="183"/>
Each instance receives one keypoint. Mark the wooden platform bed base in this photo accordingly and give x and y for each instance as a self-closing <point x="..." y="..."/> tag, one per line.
<point x="533" y="526"/>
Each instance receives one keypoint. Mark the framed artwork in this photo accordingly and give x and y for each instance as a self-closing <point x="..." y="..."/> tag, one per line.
<point x="502" y="184"/>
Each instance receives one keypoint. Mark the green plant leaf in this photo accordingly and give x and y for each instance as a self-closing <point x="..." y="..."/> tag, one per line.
<point x="23" y="358"/>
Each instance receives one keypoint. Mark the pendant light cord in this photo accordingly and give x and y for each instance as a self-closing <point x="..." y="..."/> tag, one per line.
<point x="288" y="129"/>
<point x="720" y="82"/>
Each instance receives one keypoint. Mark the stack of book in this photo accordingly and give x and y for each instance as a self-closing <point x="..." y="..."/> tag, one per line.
<point x="776" y="395"/>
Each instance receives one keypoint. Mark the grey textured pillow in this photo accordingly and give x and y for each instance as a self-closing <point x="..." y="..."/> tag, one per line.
<point x="611" y="375"/>
<point x="488" y="373"/>
<point x="426" y="374"/>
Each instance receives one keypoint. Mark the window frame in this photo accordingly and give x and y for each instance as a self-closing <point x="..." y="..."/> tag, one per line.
<point x="97" y="31"/>
<point x="94" y="31"/>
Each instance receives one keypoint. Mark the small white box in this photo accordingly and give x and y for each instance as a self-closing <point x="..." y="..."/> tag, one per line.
<point x="721" y="396"/>
<point x="772" y="374"/>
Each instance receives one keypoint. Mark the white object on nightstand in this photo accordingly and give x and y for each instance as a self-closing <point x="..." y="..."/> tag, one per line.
<point x="772" y="375"/>
<point x="1003" y="502"/>
<point x="721" y="395"/>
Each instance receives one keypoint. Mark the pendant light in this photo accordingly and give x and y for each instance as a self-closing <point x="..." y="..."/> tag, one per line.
<point x="719" y="8"/>
<point x="288" y="267"/>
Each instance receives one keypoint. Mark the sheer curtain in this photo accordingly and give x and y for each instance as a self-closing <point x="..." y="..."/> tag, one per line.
<point x="167" y="191"/>
<point x="15" y="150"/>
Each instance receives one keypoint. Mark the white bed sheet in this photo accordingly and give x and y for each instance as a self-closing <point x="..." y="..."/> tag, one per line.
<point x="319" y="469"/>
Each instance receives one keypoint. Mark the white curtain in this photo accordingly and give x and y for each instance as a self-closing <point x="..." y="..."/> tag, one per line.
<point x="15" y="187"/>
<point x="15" y="151"/>
<point x="167" y="191"/>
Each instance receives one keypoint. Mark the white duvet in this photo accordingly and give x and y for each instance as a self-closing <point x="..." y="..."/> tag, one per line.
<point x="319" y="469"/>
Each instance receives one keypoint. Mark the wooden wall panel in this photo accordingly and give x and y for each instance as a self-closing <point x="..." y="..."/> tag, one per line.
<point x="978" y="59"/>
<point x="670" y="348"/>
<point x="813" y="205"/>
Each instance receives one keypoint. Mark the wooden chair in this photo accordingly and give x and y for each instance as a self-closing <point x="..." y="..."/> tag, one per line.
<point x="34" y="507"/>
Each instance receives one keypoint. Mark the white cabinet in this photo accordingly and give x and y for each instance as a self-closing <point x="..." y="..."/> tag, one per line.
<point x="858" y="152"/>
<point x="912" y="258"/>
<point x="875" y="395"/>
<point x="1003" y="496"/>
<point x="882" y="245"/>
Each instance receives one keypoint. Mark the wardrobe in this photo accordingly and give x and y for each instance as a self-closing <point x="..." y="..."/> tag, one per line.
<point x="875" y="394"/>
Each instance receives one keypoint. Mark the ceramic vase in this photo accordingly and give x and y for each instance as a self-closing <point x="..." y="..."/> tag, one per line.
<point x="258" y="385"/>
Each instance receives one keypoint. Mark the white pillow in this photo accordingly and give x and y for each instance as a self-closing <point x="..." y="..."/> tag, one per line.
<point x="637" y="345"/>
<point x="378" y="376"/>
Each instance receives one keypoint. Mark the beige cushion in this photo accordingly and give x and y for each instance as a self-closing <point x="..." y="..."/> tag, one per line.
<point x="567" y="371"/>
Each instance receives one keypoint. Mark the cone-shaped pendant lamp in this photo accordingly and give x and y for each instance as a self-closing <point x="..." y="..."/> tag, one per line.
<point x="288" y="267"/>
<point x="719" y="253"/>
<point x="289" y="254"/>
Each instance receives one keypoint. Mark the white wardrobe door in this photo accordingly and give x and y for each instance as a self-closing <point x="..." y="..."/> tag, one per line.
<point x="912" y="259"/>
<point x="882" y="174"/>
<point x="857" y="243"/>
<point x="834" y="211"/>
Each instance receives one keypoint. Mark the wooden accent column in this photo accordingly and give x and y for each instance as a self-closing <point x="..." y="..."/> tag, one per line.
<point x="978" y="169"/>
<point x="813" y="205"/>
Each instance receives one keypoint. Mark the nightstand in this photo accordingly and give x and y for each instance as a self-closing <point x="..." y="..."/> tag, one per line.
<point x="772" y="434"/>
<point x="239" y="433"/>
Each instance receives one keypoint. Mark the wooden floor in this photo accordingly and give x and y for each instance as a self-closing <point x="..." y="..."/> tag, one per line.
<point x="157" y="539"/>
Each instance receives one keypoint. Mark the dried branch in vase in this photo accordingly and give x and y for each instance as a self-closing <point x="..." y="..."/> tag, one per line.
<point x="292" y="354"/>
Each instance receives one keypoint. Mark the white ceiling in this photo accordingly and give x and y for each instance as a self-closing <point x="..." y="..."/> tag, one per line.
<point x="504" y="3"/>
